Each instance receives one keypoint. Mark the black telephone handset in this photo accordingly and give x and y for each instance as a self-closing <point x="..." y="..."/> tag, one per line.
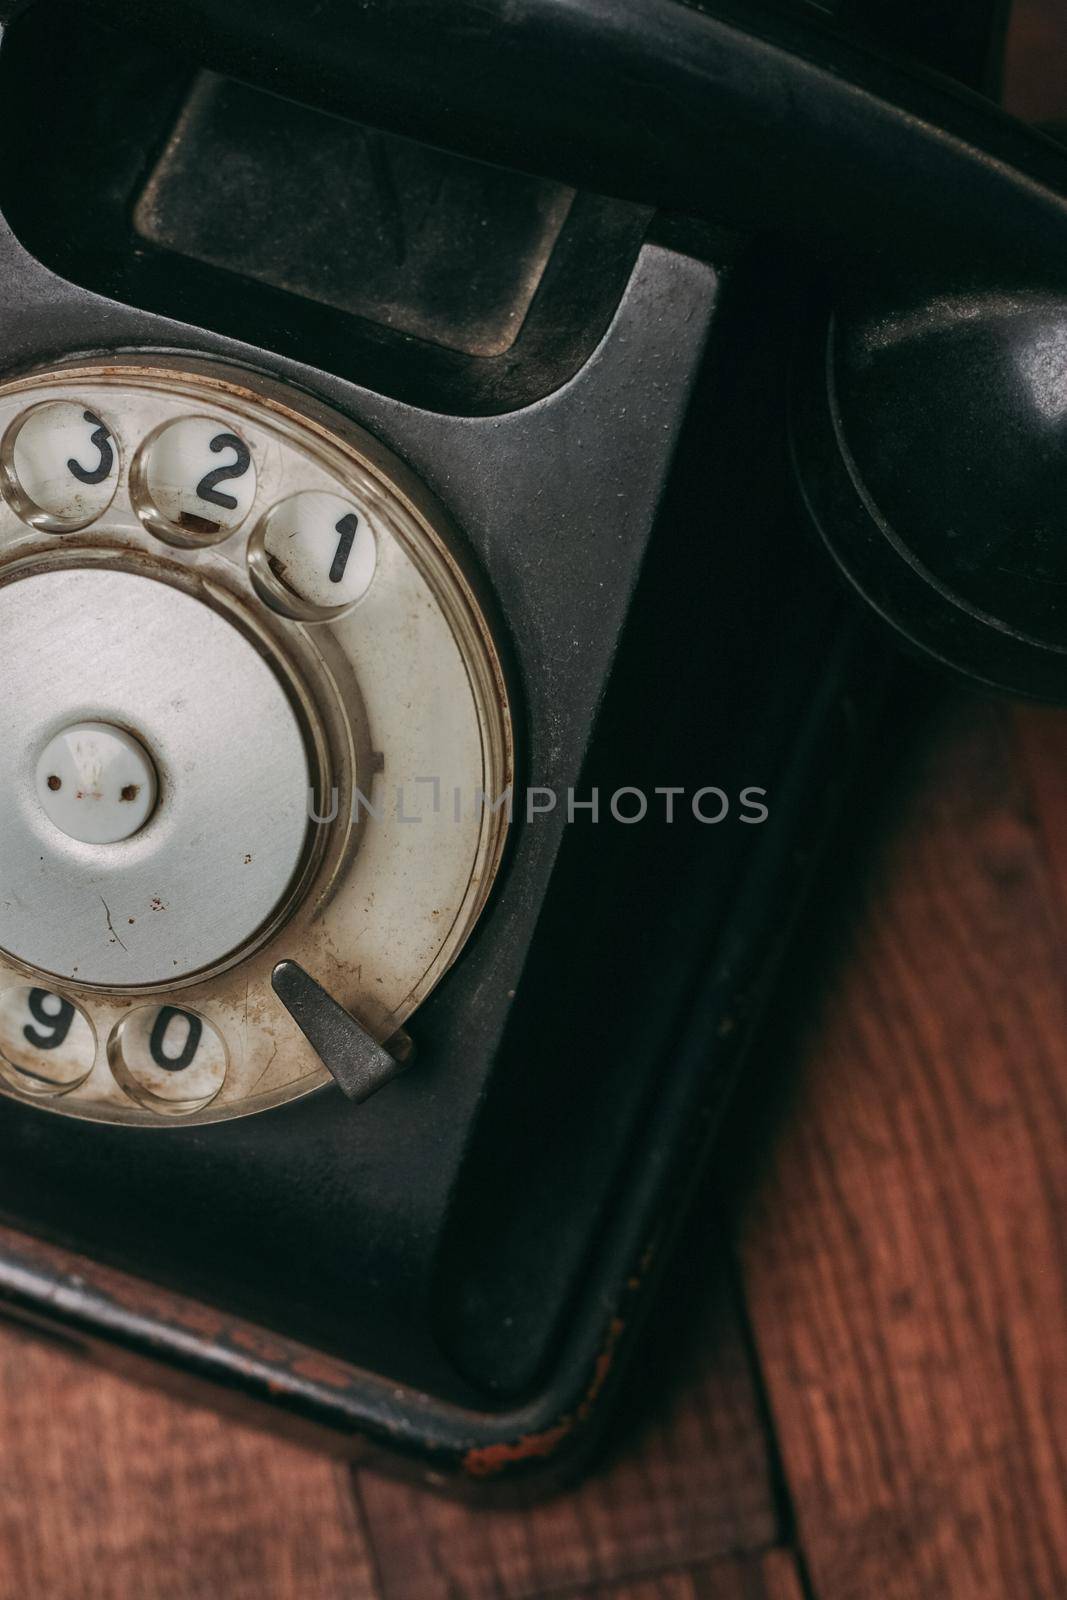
<point x="418" y="685"/>
<point x="927" y="436"/>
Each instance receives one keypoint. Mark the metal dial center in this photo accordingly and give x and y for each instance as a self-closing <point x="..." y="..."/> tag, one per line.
<point x="137" y="861"/>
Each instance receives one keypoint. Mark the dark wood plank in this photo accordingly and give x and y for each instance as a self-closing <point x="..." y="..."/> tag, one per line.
<point x="903" y="1243"/>
<point x="689" y="1480"/>
<point x="1042" y="747"/>
<point x="111" y="1492"/>
<point x="772" y="1576"/>
<point x="1033" y="63"/>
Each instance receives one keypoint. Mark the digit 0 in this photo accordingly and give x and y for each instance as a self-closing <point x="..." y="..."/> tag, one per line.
<point x="158" y="1039"/>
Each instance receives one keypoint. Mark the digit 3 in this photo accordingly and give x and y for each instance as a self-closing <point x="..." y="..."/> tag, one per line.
<point x="101" y="438"/>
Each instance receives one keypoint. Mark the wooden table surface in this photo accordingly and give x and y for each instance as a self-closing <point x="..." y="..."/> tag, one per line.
<point x="856" y="1384"/>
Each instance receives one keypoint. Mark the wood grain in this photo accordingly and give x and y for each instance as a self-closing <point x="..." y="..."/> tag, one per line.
<point x="903" y="1247"/>
<point x="772" y="1576"/>
<point x="110" y="1492"/>
<point x="689" y="1479"/>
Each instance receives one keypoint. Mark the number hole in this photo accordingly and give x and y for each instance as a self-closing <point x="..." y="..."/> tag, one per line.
<point x="168" y="1058"/>
<point x="59" y="466"/>
<point x="193" y="481"/>
<point x="47" y="1044"/>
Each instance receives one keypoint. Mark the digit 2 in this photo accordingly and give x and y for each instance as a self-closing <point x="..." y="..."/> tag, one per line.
<point x="157" y="1042"/>
<point x="237" y="468"/>
<point x="102" y="440"/>
<point x="55" y="1025"/>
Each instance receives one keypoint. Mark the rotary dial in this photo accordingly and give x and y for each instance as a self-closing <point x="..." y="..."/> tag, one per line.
<point x="254" y="722"/>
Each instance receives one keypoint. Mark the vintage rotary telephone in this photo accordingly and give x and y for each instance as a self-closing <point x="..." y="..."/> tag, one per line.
<point x="418" y="675"/>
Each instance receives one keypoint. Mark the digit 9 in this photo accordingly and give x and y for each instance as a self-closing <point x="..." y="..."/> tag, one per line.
<point x="47" y="1044"/>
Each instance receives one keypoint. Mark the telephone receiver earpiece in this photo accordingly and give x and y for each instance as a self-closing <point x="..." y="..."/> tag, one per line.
<point x="929" y="426"/>
<point x="930" y="444"/>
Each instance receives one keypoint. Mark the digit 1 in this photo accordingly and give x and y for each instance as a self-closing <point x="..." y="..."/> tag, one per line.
<point x="164" y="1017"/>
<point x="55" y="1024"/>
<point x="347" y="528"/>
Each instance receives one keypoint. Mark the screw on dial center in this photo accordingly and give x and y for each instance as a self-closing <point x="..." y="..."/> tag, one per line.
<point x="96" y="783"/>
